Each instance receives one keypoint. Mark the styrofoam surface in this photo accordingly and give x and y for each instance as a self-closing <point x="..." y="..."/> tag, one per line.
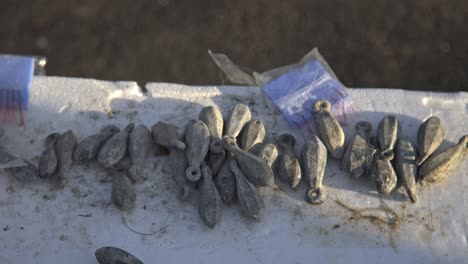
<point x="40" y="224"/>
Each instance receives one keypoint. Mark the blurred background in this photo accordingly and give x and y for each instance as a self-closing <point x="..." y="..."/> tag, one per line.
<point x="417" y="45"/>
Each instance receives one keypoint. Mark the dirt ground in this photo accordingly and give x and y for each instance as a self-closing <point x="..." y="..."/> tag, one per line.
<point x="418" y="45"/>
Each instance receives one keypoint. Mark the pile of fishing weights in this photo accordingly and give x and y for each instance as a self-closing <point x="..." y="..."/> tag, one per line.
<point x="226" y="163"/>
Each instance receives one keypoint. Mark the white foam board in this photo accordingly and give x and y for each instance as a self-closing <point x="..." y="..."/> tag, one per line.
<point x="40" y="224"/>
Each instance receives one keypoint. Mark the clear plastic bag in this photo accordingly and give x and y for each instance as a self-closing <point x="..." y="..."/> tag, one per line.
<point x="294" y="88"/>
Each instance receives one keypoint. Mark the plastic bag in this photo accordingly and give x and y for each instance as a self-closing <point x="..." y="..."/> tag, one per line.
<point x="16" y="73"/>
<point x="294" y="88"/>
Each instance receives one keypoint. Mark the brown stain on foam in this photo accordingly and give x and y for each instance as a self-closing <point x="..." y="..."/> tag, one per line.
<point x="392" y="222"/>
<point x="424" y="234"/>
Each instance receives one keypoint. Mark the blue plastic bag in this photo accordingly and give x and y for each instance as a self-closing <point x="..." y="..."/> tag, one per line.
<point x="295" y="92"/>
<point x="294" y="88"/>
<point x="16" y="74"/>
